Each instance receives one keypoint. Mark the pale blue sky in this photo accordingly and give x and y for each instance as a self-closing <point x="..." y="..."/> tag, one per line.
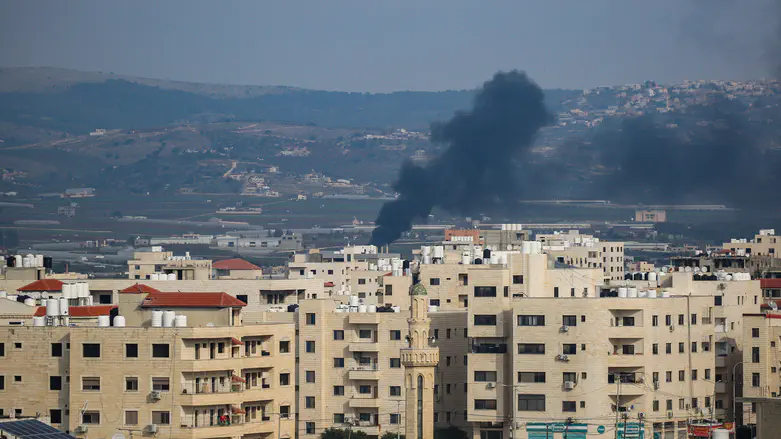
<point x="367" y="45"/>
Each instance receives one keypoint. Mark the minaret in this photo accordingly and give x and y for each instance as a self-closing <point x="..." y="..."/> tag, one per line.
<point x="419" y="361"/>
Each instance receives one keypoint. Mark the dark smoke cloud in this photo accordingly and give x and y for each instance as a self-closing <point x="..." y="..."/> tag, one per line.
<point x="478" y="170"/>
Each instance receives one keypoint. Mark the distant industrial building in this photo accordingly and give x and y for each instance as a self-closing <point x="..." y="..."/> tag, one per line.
<point x="79" y="192"/>
<point x="651" y="216"/>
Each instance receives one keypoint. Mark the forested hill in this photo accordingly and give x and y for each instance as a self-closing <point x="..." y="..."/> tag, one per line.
<point x="124" y="104"/>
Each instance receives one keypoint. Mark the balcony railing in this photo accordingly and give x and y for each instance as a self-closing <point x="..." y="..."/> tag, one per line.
<point x="489" y="349"/>
<point x="206" y="388"/>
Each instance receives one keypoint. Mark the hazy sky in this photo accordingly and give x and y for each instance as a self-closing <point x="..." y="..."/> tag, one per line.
<point x="368" y="45"/>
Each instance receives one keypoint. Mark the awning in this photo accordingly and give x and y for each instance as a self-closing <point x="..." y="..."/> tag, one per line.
<point x="236" y="342"/>
<point x="237" y="379"/>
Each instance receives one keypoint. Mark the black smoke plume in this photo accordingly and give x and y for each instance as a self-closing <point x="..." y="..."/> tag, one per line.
<point x="477" y="170"/>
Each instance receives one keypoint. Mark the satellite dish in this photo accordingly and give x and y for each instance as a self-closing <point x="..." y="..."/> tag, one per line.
<point x="509" y="247"/>
<point x="773" y="306"/>
<point x="118" y="435"/>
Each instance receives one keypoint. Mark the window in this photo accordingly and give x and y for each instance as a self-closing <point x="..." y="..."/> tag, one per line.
<point x="131" y="417"/>
<point x="90" y="383"/>
<point x="243" y="298"/>
<point x="755" y="332"/>
<point x="338" y="390"/>
<point x="338" y="334"/>
<point x="310" y="318"/>
<point x="394" y="418"/>
<point x="55" y="416"/>
<point x="131" y="350"/>
<point x="338" y="362"/>
<point x="656" y="405"/>
<point x="17" y="378"/>
<point x="310" y="402"/>
<point x="310" y="428"/>
<point x="338" y="418"/>
<point x="365" y="333"/>
<point x="517" y="279"/>
<point x="531" y="403"/>
<point x="531" y="348"/>
<point x="570" y="349"/>
<point x="160" y="350"/>
<point x="17" y="345"/>
<point x="56" y="349"/>
<point x="161" y="418"/>
<point x="694" y="347"/>
<point x="361" y="281"/>
<point x="655" y="348"/>
<point x="570" y="376"/>
<point x="395" y="334"/>
<point x="681" y="375"/>
<point x="717" y="300"/>
<point x="485" y="375"/>
<point x="531" y="377"/>
<point x="655" y="321"/>
<point x="91" y="417"/>
<point x="485" y="404"/>
<point x="707" y="374"/>
<point x="395" y="363"/>
<point x="131" y="384"/>
<point x="694" y="374"/>
<point x="668" y="348"/>
<point x="568" y="406"/>
<point x="555" y="291"/>
<point x="310" y="346"/>
<point x="284" y="347"/>
<point x="433" y="302"/>
<point x="161" y="384"/>
<point x="569" y="320"/>
<point x="2" y="349"/>
<point x="485" y="291"/>
<point x="395" y="390"/>
<point x="668" y="320"/>
<point x="220" y="347"/>
<point x="694" y="319"/>
<point x="485" y="320"/>
<point x="284" y="379"/>
<point x="433" y="281"/>
<point x="90" y="350"/>
<point x="668" y="376"/>
<point x="365" y="389"/>
<point x="681" y="348"/>
<point x="531" y="320"/>
<point x="681" y="319"/>
<point x="755" y="354"/>
<point x="669" y="404"/>
<point x="284" y="411"/>
<point x="706" y="346"/>
<point x="310" y="376"/>
<point x="55" y="383"/>
<point x="628" y="349"/>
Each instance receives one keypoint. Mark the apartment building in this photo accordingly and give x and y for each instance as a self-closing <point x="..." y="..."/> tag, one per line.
<point x="150" y="265"/>
<point x="585" y="251"/>
<point x="541" y="364"/>
<point x="236" y="269"/>
<point x="761" y="361"/>
<point x="351" y="373"/>
<point x="763" y="244"/>
<point x="207" y="377"/>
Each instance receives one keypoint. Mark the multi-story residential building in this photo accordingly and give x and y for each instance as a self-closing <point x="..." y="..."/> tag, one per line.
<point x="351" y="373"/>
<point x="236" y="269"/>
<point x="585" y="251"/>
<point x="763" y="244"/>
<point x="549" y="364"/>
<point x="761" y="360"/>
<point x="210" y="375"/>
<point x="155" y="263"/>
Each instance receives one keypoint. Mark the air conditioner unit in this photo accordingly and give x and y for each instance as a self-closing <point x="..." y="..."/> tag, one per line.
<point x="155" y="395"/>
<point x="641" y="379"/>
<point x="672" y="328"/>
<point x="490" y="385"/>
<point x="564" y="328"/>
<point x="569" y="385"/>
<point x="669" y="415"/>
<point x="151" y="428"/>
<point x="562" y="357"/>
<point x="81" y="429"/>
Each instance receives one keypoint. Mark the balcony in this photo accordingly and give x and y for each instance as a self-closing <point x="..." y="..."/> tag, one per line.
<point x="371" y="428"/>
<point x="622" y="360"/>
<point x="621" y="331"/>
<point x="721" y="360"/>
<point x="371" y="372"/>
<point x="233" y="363"/>
<point x="633" y="389"/>
<point x="358" y="402"/>
<point x="364" y="346"/>
<point x="205" y="395"/>
<point x="489" y="348"/>
<point x="235" y="428"/>
<point x="369" y="318"/>
<point x="721" y="387"/>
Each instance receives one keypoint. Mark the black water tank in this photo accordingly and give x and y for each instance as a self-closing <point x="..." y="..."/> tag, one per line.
<point x="478" y="261"/>
<point x="292" y="307"/>
<point x="486" y="254"/>
<point x="111" y="314"/>
<point x="638" y="276"/>
<point x="48" y="262"/>
<point x="11" y="261"/>
<point x="405" y="264"/>
<point x="628" y="276"/>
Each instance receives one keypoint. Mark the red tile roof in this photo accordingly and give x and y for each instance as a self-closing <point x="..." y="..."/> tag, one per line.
<point x="770" y="283"/>
<point x="234" y="264"/>
<point x="43" y="285"/>
<point x="139" y="289"/>
<point x="82" y="311"/>
<point x="191" y="300"/>
<point x="237" y="379"/>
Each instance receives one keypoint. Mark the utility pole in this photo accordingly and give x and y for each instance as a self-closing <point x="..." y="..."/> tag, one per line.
<point x="735" y="396"/>
<point x="617" y="378"/>
<point x="398" y="418"/>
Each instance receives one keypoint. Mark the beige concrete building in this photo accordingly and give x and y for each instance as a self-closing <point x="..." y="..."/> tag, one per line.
<point x="762" y="335"/>
<point x="651" y="216"/>
<point x="149" y="265"/>
<point x="209" y="377"/>
<point x="585" y="251"/>
<point x="575" y="363"/>
<point x="763" y="244"/>
<point x="236" y="269"/>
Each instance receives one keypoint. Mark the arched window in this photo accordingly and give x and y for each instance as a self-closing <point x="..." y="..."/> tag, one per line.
<point x="420" y="406"/>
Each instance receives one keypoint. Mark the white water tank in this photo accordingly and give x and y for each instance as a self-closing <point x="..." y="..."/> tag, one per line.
<point x="632" y="292"/>
<point x="119" y="321"/>
<point x="425" y="250"/>
<point x="52" y="307"/>
<point x="39" y="260"/>
<point x="3" y="294"/>
<point x="622" y="291"/>
<point x="652" y="294"/>
<point x="64" y="308"/>
<point x="642" y="294"/>
<point x="90" y="300"/>
<point x="171" y="276"/>
<point x="180" y="321"/>
<point x="12" y="297"/>
<point x="371" y="308"/>
<point x="426" y="260"/>
<point x="354" y="301"/>
<point x="720" y="433"/>
<point x="652" y="276"/>
<point x="494" y="258"/>
<point x="104" y="321"/>
<point x="39" y="321"/>
<point x="29" y="301"/>
<point x="83" y="289"/>
<point x="665" y="294"/>
<point x="19" y="260"/>
<point x="66" y="291"/>
<point x="396" y="308"/>
<point x="154" y="276"/>
<point x="362" y="308"/>
<point x="503" y="258"/>
<point x="157" y="319"/>
<point x="439" y="251"/>
<point x="465" y="258"/>
<point x="433" y="308"/>
<point x="168" y="319"/>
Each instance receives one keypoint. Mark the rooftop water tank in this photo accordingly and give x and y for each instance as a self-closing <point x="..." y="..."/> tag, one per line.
<point x="180" y="321"/>
<point x="632" y="292"/>
<point x="171" y="276"/>
<point x="64" y="308"/>
<point x="652" y="294"/>
<point x="168" y="319"/>
<point x="157" y="319"/>
<point x="29" y="301"/>
<point x="425" y="250"/>
<point x="104" y="321"/>
<point x="39" y="260"/>
<point x="622" y="291"/>
<point x="372" y="308"/>
<point x="52" y="307"/>
<point x="652" y="276"/>
<point x="119" y="321"/>
<point x="433" y="308"/>
<point x="39" y="321"/>
<point x="362" y="308"/>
